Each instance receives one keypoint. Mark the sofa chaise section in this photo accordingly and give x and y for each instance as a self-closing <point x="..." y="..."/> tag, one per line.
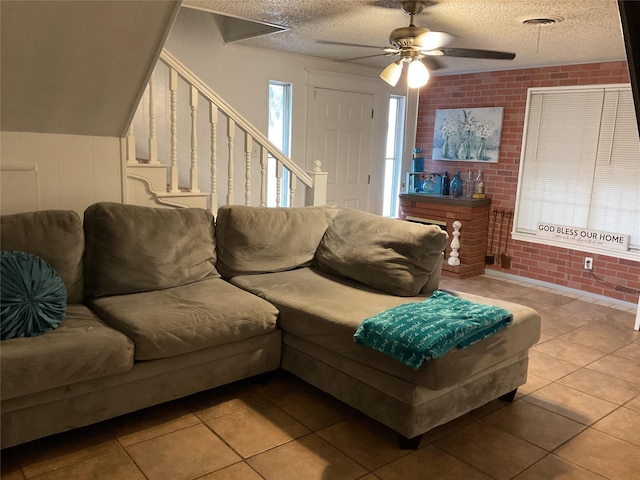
<point x="365" y="265"/>
<point x="319" y="315"/>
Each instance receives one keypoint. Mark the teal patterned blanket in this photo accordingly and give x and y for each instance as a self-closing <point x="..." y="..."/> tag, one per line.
<point x="419" y="331"/>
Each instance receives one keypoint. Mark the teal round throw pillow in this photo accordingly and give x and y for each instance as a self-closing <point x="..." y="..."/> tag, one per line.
<point x="33" y="298"/>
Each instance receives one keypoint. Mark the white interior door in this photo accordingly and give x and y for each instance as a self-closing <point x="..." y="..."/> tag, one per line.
<point x="340" y="126"/>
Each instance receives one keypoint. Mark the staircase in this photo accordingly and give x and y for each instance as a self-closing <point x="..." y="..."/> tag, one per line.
<point x="160" y="175"/>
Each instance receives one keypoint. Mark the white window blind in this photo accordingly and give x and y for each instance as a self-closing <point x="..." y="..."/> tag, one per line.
<point x="580" y="163"/>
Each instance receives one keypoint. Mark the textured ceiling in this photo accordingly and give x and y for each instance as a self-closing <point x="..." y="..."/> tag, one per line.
<point x="590" y="32"/>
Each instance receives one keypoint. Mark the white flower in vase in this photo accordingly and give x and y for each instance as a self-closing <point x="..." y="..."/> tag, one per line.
<point x="483" y="131"/>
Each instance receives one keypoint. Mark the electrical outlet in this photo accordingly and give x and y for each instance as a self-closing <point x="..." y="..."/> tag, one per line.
<point x="588" y="263"/>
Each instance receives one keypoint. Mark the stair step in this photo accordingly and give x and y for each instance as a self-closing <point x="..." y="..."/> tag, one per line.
<point x="147" y="165"/>
<point x="182" y="194"/>
<point x="155" y="174"/>
<point x="140" y="192"/>
<point x="183" y="199"/>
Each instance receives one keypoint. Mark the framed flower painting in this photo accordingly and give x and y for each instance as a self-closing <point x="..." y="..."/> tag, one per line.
<point x="468" y="134"/>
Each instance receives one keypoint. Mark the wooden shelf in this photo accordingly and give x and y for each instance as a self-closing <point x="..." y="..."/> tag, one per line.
<point x="447" y="200"/>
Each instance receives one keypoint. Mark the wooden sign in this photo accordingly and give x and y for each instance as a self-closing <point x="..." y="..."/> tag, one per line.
<point x="583" y="236"/>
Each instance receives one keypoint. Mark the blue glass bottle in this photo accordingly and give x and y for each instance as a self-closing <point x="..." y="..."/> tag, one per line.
<point x="445" y="184"/>
<point x="455" y="189"/>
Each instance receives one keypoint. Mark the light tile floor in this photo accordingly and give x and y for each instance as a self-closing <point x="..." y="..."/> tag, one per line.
<point x="578" y="417"/>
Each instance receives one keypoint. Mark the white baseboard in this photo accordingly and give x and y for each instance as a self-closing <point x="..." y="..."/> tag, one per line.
<point x="569" y="291"/>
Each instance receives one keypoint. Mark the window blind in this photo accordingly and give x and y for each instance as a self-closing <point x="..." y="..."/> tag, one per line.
<point x="615" y="202"/>
<point x="580" y="163"/>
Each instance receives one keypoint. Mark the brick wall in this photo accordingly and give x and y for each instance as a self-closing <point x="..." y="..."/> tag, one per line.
<point x="474" y="215"/>
<point x="508" y="89"/>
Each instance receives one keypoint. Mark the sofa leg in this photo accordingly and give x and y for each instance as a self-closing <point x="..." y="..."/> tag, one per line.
<point x="262" y="378"/>
<point x="409" y="443"/>
<point x="509" y="397"/>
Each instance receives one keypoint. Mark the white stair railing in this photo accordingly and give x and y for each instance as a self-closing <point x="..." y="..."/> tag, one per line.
<point x="315" y="181"/>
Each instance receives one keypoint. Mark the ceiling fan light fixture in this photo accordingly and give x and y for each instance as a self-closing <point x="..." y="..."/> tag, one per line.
<point x="432" y="40"/>
<point x="417" y="74"/>
<point x="392" y="73"/>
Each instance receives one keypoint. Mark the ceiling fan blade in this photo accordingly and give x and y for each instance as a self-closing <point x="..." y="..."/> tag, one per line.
<point x="432" y="40"/>
<point x="329" y="42"/>
<point x="473" y="53"/>
<point x="433" y="63"/>
<point x="366" y="56"/>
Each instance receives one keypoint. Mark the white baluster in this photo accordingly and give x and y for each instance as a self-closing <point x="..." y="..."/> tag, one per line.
<point x="153" y="140"/>
<point x="193" y="184"/>
<point x="213" y="118"/>
<point x="278" y="182"/>
<point x="264" y="160"/>
<point x="131" y="145"/>
<point x="231" y="132"/>
<point x="248" y="147"/>
<point x="455" y="245"/>
<point x="173" y="87"/>
<point x="293" y="181"/>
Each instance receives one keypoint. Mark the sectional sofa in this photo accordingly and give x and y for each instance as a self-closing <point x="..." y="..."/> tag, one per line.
<point x="163" y="303"/>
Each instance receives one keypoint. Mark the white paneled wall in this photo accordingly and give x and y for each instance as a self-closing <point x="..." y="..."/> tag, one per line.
<point x="73" y="171"/>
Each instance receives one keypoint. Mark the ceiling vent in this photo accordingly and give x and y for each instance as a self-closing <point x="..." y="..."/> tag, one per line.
<point x="541" y="21"/>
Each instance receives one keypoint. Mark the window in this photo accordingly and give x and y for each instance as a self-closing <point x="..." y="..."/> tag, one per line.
<point x="280" y="135"/>
<point x="580" y="166"/>
<point x="393" y="155"/>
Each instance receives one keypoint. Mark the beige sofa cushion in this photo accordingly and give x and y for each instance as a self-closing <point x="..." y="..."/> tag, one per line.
<point x="81" y="348"/>
<point x="326" y="311"/>
<point x="394" y="256"/>
<point x="260" y="240"/>
<point x="134" y="249"/>
<point x="56" y="236"/>
<point x="184" y="319"/>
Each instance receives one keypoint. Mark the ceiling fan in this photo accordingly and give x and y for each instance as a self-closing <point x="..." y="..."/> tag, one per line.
<point x="417" y="44"/>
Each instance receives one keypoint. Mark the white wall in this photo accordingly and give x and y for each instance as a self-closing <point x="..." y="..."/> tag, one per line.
<point x="241" y="74"/>
<point x="71" y="171"/>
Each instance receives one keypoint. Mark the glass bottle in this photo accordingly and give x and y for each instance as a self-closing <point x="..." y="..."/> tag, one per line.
<point x="445" y="184"/>
<point x="479" y="183"/>
<point x="468" y="185"/>
<point x="456" y="185"/>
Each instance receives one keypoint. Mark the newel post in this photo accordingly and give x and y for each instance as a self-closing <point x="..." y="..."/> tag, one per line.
<point x="317" y="194"/>
<point x="131" y="145"/>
